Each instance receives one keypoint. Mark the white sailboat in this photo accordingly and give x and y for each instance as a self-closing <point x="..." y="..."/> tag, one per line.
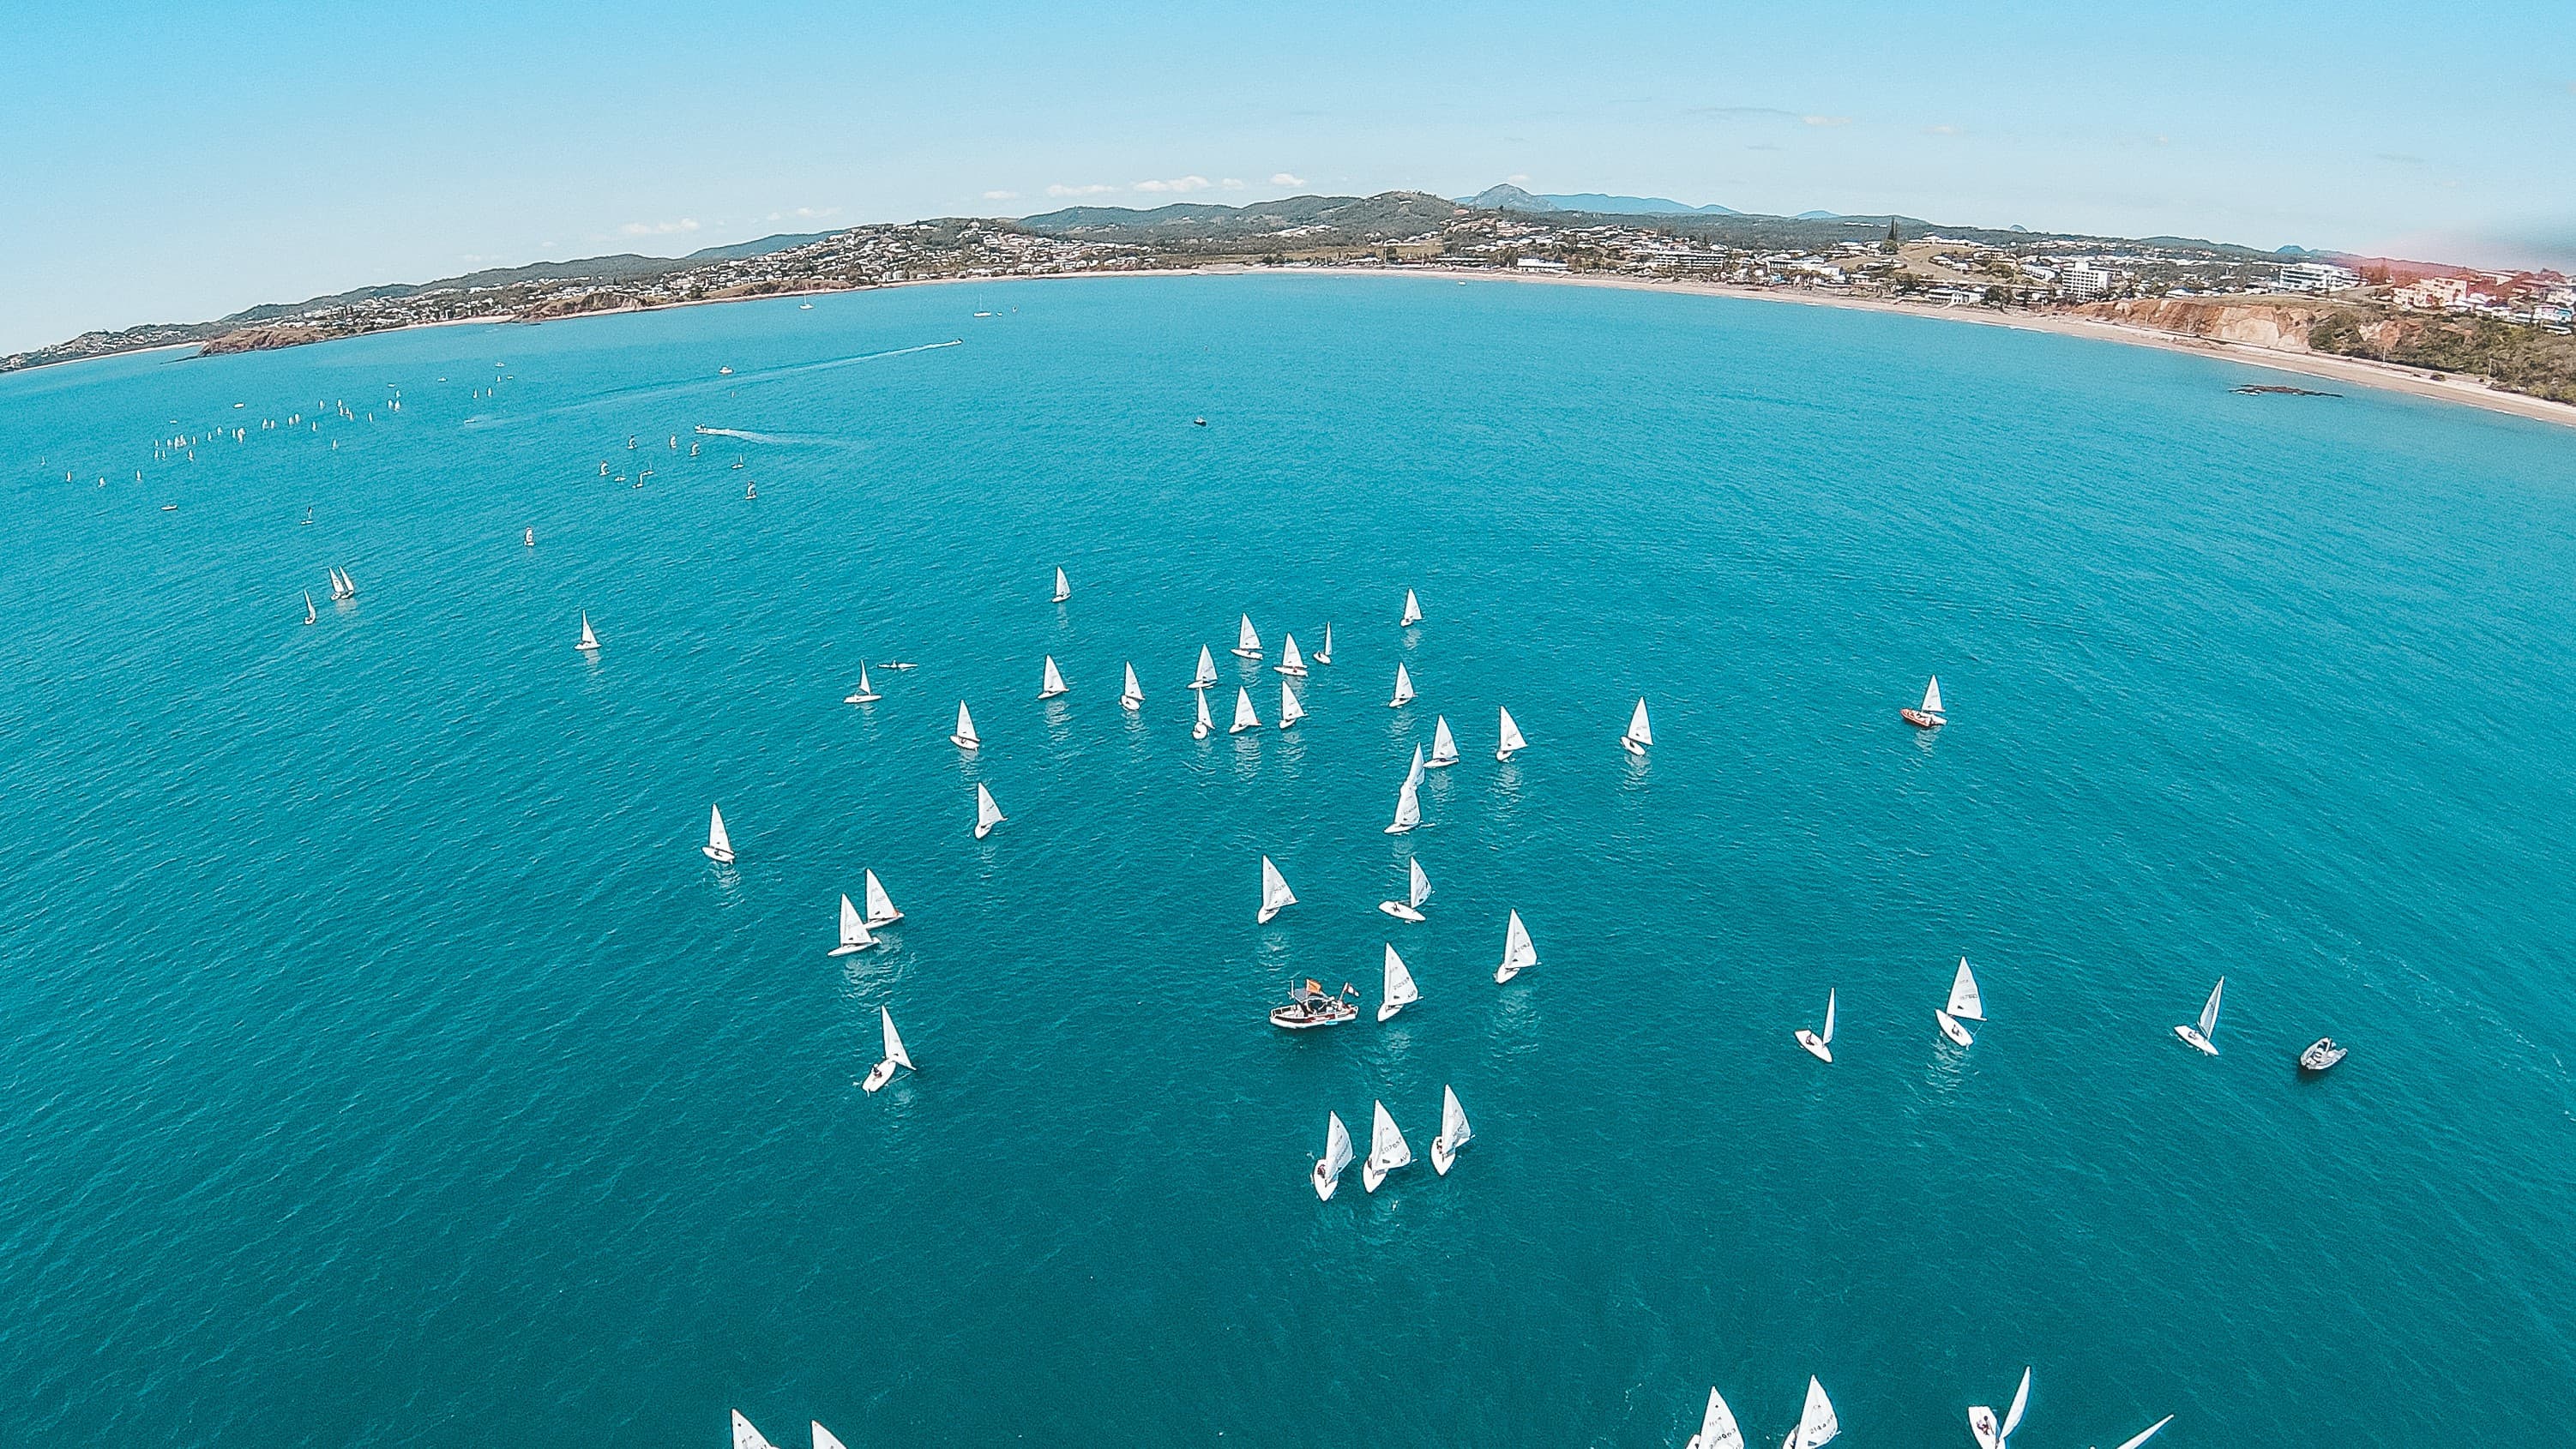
<point x="309" y="615"/>
<point x="1965" y="1005"/>
<point x="348" y="585"/>
<point x="1400" y="990"/>
<point x="2199" y="1037"/>
<point x="1387" y="1150"/>
<point x="1816" y="1425"/>
<point x="1403" y="689"/>
<point x="1981" y="1420"/>
<point x="1444" y="745"/>
<point x="1418" y="890"/>
<point x="1246" y="643"/>
<point x="1290" y="661"/>
<point x="866" y="693"/>
<point x="881" y="911"/>
<point x="1200" y="730"/>
<point x="987" y="814"/>
<point x="1206" y="674"/>
<point x="1511" y="744"/>
<point x="2149" y="1434"/>
<point x="1640" y="734"/>
<point x="1454" y="1132"/>
<point x="1244" y="718"/>
<point x="532" y="538"/>
<point x="854" y="930"/>
<point x="1325" y="654"/>
<point x="1063" y="590"/>
<point x="1408" y="800"/>
<point x="1290" y="711"/>
<point x="1337" y="1157"/>
<point x="1518" y="954"/>
<point x="825" y="1438"/>
<point x="1717" y="1429"/>
<point x="589" y="641"/>
<point x="1821" y="1047"/>
<point x="1053" y="684"/>
<point x="965" y="737"/>
<point x="719" y="846"/>
<point x="895" y="1056"/>
<point x="1412" y="611"/>
<point x="747" y="1437"/>
<point x="1275" y="895"/>
<point x="1929" y="716"/>
<point x="1133" y="696"/>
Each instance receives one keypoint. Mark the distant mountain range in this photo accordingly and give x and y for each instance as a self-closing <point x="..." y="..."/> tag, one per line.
<point x="1512" y="198"/>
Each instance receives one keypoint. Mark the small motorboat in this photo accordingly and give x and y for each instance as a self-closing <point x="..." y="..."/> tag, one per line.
<point x="1310" y="1005"/>
<point x="1198" y="422"/>
<point x="2321" y="1055"/>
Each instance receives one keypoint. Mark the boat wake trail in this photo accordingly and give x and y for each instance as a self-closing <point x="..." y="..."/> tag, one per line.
<point x="644" y="392"/>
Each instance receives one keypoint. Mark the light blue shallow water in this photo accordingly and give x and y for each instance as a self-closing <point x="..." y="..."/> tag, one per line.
<point x="381" y="1063"/>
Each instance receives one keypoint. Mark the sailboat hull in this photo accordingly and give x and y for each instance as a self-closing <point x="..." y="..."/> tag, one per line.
<point x="1247" y="653"/>
<point x="1398" y="829"/>
<point x="1442" y="1154"/>
<point x="1386" y="1010"/>
<point x="1267" y="915"/>
<point x="1049" y="693"/>
<point x="1505" y="973"/>
<point x="1293" y="671"/>
<point x="878" y="1076"/>
<point x="861" y="699"/>
<point x="1324" y="1186"/>
<point x="1922" y="721"/>
<point x="847" y="950"/>
<point x="983" y="830"/>
<point x="2192" y="1038"/>
<point x="1131" y="702"/>
<point x="1198" y="732"/>
<point x="1238" y="729"/>
<point x="1632" y="747"/>
<point x="1400" y="910"/>
<point x="1950" y="1028"/>
<point x="1436" y="763"/>
<point x="963" y="743"/>
<point x="1503" y="755"/>
<point x="1370" y="1177"/>
<point x="1815" y="1045"/>
<point x="719" y="856"/>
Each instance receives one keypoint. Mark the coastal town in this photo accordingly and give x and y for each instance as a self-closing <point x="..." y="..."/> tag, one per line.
<point x="2512" y="328"/>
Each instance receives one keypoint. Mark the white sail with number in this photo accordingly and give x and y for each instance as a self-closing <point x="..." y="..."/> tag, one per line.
<point x="1964" y="1005"/>
<point x="747" y="1437"/>
<point x="1387" y="1150"/>
<point x="719" y="846"/>
<point x="1408" y="800"/>
<point x="1717" y="1429"/>
<point x="1518" y="954"/>
<point x="1454" y="1132"/>
<point x="1817" y="1424"/>
<point x="1400" y="990"/>
<point x="825" y="1438"/>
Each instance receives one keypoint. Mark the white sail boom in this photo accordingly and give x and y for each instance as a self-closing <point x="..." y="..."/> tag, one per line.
<point x="1053" y="684"/>
<point x="1419" y="885"/>
<point x="2209" y="1010"/>
<point x="1444" y="745"/>
<point x="1400" y="990"/>
<point x="1412" y="610"/>
<point x="965" y="737"/>
<point x="1964" y="1001"/>
<point x="1403" y="688"/>
<point x="1244" y="717"/>
<point x="1206" y="674"/>
<point x="1290" y="711"/>
<point x="1275" y="895"/>
<point x="987" y="814"/>
<point x="1717" y="1428"/>
<point x="1512" y="741"/>
<point x="1639" y="731"/>
<point x="1931" y="696"/>
<point x="881" y="911"/>
<point x="1518" y="954"/>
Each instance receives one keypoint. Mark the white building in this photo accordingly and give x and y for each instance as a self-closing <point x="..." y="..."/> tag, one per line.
<point x="2083" y="279"/>
<point x="2318" y="277"/>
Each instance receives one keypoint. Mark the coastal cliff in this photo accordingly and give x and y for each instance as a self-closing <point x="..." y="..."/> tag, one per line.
<point x="2269" y="322"/>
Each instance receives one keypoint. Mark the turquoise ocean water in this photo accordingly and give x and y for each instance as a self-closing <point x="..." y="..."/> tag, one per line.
<point x="381" y="1064"/>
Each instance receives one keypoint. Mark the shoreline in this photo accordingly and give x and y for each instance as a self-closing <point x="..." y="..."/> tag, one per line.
<point x="2360" y="372"/>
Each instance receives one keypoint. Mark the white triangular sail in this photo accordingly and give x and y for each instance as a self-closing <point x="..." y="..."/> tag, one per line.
<point x="1387" y="1150"/>
<point x="1400" y="990"/>
<point x="1511" y="742"/>
<point x="348" y="583"/>
<point x="1828" y="1036"/>
<point x="1412" y="610"/>
<point x="965" y="738"/>
<point x="1408" y="800"/>
<point x="1518" y="954"/>
<point x="854" y="930"/>
<point x="1816" y="1424"/>
<point x="825" y="1438"/>
<point x="2209" y="1011"/>
<point x="1403" y="688"/>
<point x="1133" y="696"/>
<point x="987" y="814"/>
<point x="309" y="615"/>
<point x="1244" y="718"/>
<point x="1290" y="711"/>
<point x="1453" y="1120"/>
<point x="1444" y="745"/>
<point x="747" y="1437"/>
<point x="2149" y="1434"/>
<point x="1325" y="654"/>
<point x="1336" y="1158"/>
<point x="1063" y="590"/>
<point x="866" y="692"/>
<point x="1290" y="661"/>
<point x="1206" y="674"/>
<point x="1717" y="1429"/>
<point x="1246" y="642"/>
<point x="894" y="1051"/>
<point x="1053" y="684"/>
<point x="1640" y="734"/>
<point x="589" y="640"/>
<point x="719" y="846"/>
<point x="1419" y="885"/>
<point x="1275" y="894"/>
<point x="2012" y="1416"/>
<point x="1200" y="730"/>
<point x="1931" y="696"/>
<point x="881" y="911"/>
<point x="1964" y="1001"/>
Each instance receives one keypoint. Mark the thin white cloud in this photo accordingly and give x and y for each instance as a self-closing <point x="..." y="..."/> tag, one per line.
<point x="1284" y="179"/>
<point x="1940" y="130"/>
<point x="1826" y="120"/>
<point x="805" y="213"/>
<point x="1517" y="180"/>
<point x="1232" y="183"/>
<point x="1060" y="189"/>
<point x="1001" y="196"/>
<point x="1178" y="183"/>
<point x="658" y="228"/>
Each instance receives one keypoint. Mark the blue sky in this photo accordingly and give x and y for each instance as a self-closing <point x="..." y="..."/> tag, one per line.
<point x="177" y="160"/>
